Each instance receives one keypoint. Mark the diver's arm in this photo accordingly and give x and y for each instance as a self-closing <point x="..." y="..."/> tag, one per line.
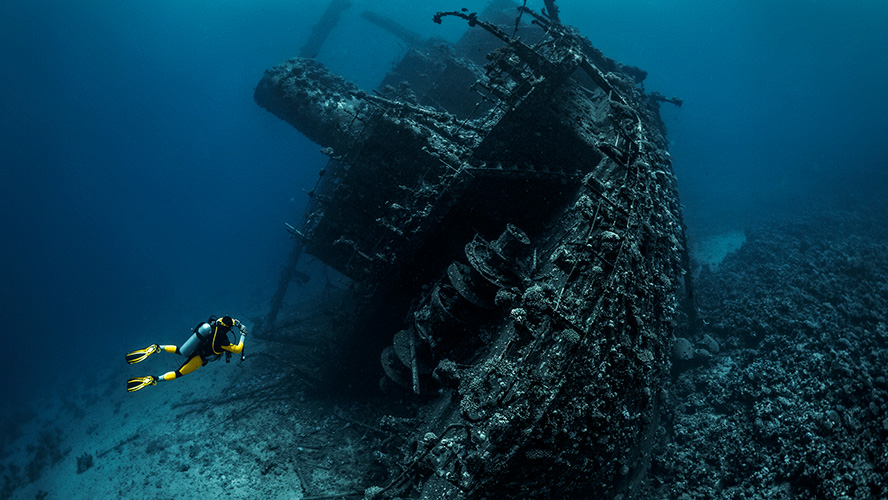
<point x="239" y="347"/>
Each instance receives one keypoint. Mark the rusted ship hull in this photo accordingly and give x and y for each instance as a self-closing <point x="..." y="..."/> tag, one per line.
<point x="527" y="242"/>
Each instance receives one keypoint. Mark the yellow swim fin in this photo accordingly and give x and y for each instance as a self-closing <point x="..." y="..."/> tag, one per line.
<point x="134" y="384"/>
<point x="140" y="355"/>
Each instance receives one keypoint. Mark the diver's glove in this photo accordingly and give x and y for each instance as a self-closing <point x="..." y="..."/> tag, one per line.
<point x="243" y="329"/>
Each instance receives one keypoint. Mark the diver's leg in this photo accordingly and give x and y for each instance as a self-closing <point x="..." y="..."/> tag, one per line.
<point x="193" y="363"/>
<point x="171" y="349"/>
<point x="138" y="383"/>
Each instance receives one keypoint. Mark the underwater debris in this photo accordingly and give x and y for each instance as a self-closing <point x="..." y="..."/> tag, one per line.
<point x="84" y="462"/>
<point x="514" y="235"/>
<point x="321" y="30"/>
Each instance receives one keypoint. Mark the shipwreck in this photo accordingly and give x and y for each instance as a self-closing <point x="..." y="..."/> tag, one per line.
<point x="506" y="209"/>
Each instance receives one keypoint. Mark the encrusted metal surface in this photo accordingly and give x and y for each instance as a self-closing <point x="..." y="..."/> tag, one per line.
<point x="527" y="254"/>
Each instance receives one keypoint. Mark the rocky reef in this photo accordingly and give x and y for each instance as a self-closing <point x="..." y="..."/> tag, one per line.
<point x="795" y="403"/>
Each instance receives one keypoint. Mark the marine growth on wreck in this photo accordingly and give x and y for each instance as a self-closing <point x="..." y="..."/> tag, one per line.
<point x="510" y="221"/>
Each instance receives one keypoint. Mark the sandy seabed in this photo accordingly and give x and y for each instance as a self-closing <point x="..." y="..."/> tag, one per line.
<point x="237" y="430"/>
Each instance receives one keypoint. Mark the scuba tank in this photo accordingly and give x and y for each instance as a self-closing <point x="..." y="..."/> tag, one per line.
<point x="201" y="333"/>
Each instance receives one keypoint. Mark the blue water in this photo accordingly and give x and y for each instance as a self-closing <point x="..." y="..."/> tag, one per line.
<point x="143" y="189"/>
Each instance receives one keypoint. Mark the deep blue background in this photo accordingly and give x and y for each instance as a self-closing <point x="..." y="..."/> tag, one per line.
<point x="143" y="189"/>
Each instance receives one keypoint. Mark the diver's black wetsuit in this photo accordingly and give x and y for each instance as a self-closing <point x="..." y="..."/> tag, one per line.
<point x="211" y="351"/>
<point x="208" y="342"/>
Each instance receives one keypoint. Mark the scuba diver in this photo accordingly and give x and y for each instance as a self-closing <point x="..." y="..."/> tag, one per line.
<point x="208" y="341"/>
